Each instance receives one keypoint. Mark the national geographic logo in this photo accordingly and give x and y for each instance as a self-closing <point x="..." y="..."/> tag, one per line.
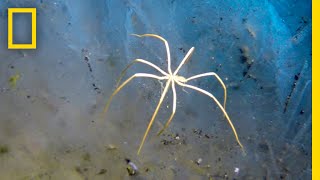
<point x="11" y="43"/>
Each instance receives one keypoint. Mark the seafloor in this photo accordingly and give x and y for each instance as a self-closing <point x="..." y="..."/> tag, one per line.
<point x="51" y="98"/>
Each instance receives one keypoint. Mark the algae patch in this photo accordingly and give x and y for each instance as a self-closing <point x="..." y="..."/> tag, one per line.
<point x="13" y="80"/>
<point x="3" y="149"/>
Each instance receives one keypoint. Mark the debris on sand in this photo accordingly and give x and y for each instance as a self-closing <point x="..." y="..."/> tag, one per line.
<point x="4" y="149"/>
<point x="13" y="80"/>
<point x="199" y="161"/>
<point x="236" y="170"/>
<point x="131" y="168"/>
<point x="111" y="147"/>
<point x="102" y="171"/>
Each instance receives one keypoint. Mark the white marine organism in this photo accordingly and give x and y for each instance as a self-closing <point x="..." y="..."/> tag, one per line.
<point x="172" y="79"/>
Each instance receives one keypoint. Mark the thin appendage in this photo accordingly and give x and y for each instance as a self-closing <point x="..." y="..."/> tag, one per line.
<point x="154" y="115"/>
<point x="126" y="82"/>
<point x="218" y="78"/>
<point x="220" y="106"/>
<point x="165" y="43"/>
<point x="174" y="107"/>
<point x="184" y="60"/>
<point x="141" y="61"/>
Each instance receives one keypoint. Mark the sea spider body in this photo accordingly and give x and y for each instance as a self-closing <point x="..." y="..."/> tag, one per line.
<point x="172" y="79"/>
<point x="180" y="79"/>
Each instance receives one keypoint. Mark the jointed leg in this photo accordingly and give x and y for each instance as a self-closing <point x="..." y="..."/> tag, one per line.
<point x="174" y="106"/>
<point x="165" y="43"/>
<point x="141" y="61"/>
<point x="220" y="106"/>
<point x="126" y="82"/>
<point x="184" y="60"/>
<point x="218" y="78"/>
<point x="154" y="114"/>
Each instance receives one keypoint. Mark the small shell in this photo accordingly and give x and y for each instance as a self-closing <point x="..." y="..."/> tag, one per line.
<point x="111" y="147"/>
<point x="132" y="168"/>
<point x="131" y="171"/>
<point x="236" y="170"/>
<point x="199" y="161"/>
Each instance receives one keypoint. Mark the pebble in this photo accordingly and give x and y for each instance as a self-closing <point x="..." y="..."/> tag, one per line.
<point x="199" y="161"/>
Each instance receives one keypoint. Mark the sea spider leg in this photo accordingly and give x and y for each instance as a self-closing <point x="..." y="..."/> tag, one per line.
<point x="218" y="78"/>
<point x="184" y="60"/>
<point x="174" y="107"/>
<point x="126" y="82"/>
<point x="165" y="43"/>
<point x="141" y="61"/>
<point x="218" y="103"/>
<point x="154" y="114"/>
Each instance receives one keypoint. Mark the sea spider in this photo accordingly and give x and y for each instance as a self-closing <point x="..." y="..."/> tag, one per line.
<point x="172" y="79"/>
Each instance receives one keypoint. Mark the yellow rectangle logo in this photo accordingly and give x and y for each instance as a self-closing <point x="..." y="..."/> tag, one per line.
<point x="33" y="12"/>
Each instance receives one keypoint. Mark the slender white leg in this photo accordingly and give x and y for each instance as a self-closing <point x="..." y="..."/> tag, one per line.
<point x="184" y="60"/>
<point x="165" y="43"/>
<point x="126" y="82"/>
<point x="140" y="61"/>
<point x="174" y="107"/>
<point x="154" y="114"/>
<point x="219" y="105"/>
<point x="218" y="78"/>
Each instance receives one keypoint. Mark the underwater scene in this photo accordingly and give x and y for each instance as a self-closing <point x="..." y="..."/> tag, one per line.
<point x="155" y="89"/>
